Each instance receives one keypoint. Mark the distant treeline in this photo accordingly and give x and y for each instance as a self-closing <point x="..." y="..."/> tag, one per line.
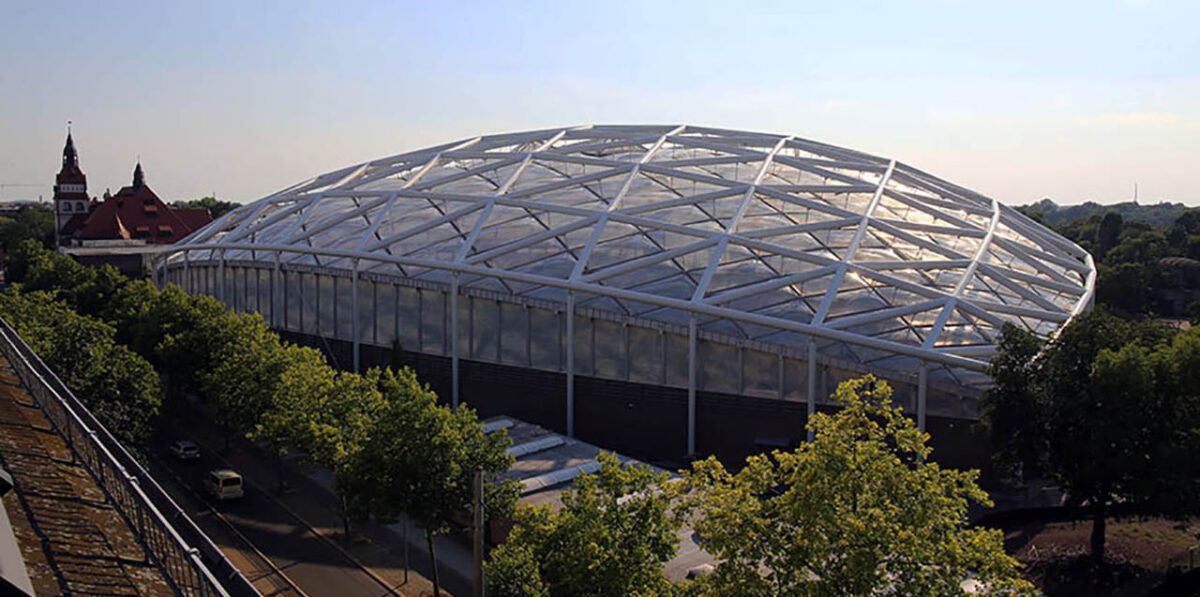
<point x="1159" y="215"/>
<point x="1133" y="246"/>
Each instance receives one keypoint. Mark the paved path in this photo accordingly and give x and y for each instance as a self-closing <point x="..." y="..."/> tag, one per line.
<point x="267" y="577"/>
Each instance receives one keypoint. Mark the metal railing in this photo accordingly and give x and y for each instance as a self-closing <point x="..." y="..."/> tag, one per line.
<point x="187" y="558"/>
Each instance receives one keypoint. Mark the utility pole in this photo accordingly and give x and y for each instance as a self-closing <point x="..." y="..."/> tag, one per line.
<point x="477" y="533"/>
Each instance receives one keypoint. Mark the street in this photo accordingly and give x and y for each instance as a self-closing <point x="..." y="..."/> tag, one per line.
<point x="297" y="554"/>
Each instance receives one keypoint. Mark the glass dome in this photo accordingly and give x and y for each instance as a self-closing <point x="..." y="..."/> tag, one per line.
<point x="768" y="242"/>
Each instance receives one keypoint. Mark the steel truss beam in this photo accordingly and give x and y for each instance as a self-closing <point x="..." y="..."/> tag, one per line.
<point x="729" y="214"/>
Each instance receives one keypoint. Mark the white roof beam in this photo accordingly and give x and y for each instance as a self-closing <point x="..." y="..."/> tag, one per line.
<point x="715" y="261"/>
<point x="423" y="227"/>
<point x="726" y="296"/>
<point x="586" y="254"/>
<point x="465" y="250"/>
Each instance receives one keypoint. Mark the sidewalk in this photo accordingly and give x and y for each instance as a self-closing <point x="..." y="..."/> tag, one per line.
<point x="380" y="549"/>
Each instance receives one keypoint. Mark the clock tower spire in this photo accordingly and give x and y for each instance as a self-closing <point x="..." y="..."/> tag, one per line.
<point x="70" y="188"/>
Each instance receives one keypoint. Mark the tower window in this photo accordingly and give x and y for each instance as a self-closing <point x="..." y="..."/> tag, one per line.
<point x="66" y="207"/>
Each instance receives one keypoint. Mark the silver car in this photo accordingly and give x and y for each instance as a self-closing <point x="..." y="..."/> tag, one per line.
<point x="185" y="449"/>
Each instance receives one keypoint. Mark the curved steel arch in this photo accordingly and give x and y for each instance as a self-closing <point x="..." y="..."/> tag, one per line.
<point x="770" y="232"/>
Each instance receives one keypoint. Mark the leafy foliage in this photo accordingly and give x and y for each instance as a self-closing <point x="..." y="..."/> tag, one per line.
<point x="29" y="223"/>
<point x="246" y="377"/>
<point x="612" y="536"/>
<point x="116" y="384"/>
<point x="1106" y="410"/>
<point x="858" y="511"/>
<point x="1157" y="215"/>
<point x="1129" y="243"/>
<point x="282" y="424"/>
<point x="216" y="208"/>
<point x="419" y="457"/>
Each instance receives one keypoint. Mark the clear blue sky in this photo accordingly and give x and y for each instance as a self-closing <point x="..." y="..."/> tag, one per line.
<point x="1075" y="101"/>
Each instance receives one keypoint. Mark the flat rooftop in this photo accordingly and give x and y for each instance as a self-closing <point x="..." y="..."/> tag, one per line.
<point x="71" y="538"/>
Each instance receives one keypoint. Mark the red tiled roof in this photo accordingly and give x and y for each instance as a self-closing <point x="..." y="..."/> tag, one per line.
<point x="195" y="218"/>
<point x="138" y="208"/>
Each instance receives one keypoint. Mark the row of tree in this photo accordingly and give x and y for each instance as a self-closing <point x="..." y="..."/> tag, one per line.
<point x="392" y="447"/>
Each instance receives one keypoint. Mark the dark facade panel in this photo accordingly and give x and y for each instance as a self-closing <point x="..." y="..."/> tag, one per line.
<point x="643" y="421"/>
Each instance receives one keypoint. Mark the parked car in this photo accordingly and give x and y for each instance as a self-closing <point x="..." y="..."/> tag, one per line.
<point x="185" y="449"/>
<point x="223" y="484"/>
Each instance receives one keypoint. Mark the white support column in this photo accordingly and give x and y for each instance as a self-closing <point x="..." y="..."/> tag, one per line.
<point x="187" y="273"/>
<point x="570" y="341"/>
<point x="278" y="298"/>
<point x="354" y="327"/>
<point x="781" y="378"/>
<point x="454" y="340"/>
<point x="691" y="403"/>
<point x="922" y="390"/>
<point x="813" y="372"/>
<point x="221" y="279"/>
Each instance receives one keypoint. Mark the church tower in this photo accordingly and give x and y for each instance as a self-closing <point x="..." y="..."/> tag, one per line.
<point x="70" y="188"/>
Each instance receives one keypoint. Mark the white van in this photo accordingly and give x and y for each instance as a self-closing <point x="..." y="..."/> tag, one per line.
<point x="224" y="484"/>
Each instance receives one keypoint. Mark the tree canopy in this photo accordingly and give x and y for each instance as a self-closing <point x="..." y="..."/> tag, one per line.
<point x="614" y="533"/>
<point x="419" y="457"/>
<point x="216" y="208"/>
<point x="29" y="223"/>
<point x="1129" y="243"/>
<point x="1106" y="410"/>
<point x="860" y="510"/>
<point x="116" y="384"/>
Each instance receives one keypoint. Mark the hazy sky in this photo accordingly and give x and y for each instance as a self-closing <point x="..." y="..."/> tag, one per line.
<point x="1074" y="101"/>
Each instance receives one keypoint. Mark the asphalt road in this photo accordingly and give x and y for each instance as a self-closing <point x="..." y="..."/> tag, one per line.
<point x="307" y="560"/>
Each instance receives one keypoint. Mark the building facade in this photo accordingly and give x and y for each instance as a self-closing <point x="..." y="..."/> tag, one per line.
<point x="124" y="229"/>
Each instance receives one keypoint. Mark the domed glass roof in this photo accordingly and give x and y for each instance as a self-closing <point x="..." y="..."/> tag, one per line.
<point x="768" y="238"/>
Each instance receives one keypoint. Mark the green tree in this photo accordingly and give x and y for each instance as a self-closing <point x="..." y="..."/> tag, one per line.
<point x="1083" y="410"/>
<point x="613" y="535"/>
<point x="117" y="385"/>
<point x="47" y="270"/>
<point x="123" y="392"/>
<point x="1144" y="247"/>
<point x="204" y="331"/>
<point x="419" y="458"/>
<point x="328" y="415"/>
<point x="860" y="510"/>
<point x="1125" y="287"/>
<point x="1107" y="233"/>
<point x="1187" y="224"/>
<point x="17" y="261"/>
<point x="216" y="208"/>
<point x="87" y="290"/>
<point x="282" y="425"/>
<point x="29" y="223"/>
<point x="246" y="376"/>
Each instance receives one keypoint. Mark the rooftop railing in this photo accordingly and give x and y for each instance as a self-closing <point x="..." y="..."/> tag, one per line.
<point x="187" y="558"/>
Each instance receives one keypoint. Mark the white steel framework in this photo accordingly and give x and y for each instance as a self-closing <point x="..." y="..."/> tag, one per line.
<point x="789" y="245"/>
